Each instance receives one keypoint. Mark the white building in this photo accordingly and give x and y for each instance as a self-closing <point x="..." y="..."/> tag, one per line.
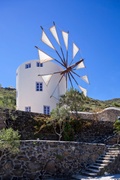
<point x="35" y="93"/>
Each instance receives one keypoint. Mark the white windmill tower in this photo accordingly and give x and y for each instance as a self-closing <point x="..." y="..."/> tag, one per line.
<point x="41" y="82"/>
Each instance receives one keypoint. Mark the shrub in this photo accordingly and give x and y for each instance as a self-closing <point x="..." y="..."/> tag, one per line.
<point x="10" y="140"/>
<point x="68" y="132"/>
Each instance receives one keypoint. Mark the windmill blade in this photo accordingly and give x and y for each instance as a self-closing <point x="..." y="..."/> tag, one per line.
<point x="80" y="65"/>
<point x="44" y="57"/>
<point x="65" y="38"/>
<point x="57" y="72"/>
<point x="70" y="79"/>
<point x="57" y="86"/>
<point x="46" y="40"/>
<point x="83" y="90"/>
<point x="85" y="78"/>
<point x="75" y="50"/>
<point x="47" y="78"/>
<point x="54" y="33"/>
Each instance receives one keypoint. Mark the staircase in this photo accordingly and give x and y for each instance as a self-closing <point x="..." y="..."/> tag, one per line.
<point x="99" y="165"/>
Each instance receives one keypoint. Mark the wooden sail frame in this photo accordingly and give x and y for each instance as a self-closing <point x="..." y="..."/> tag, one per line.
<point x="69" y="68"/>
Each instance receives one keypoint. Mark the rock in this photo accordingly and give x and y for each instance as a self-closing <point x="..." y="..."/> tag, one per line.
<point x="50" y="167"/>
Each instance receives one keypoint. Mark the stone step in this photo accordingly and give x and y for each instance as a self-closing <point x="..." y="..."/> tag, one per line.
<point x="107" y="158"/>
<point x="112" y="153"/>
<point x="89" y="173"/>
<point x="93" y="170"/>
<point x="103" y="161"/>
<point x="113" y="148"/>
<point x="96" y="166"/>
<point x="100" y="164"/>
<point x="109" y="155"/>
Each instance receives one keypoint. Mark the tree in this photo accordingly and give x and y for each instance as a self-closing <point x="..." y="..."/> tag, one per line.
<point x="117" y="129"/>
<point x="58" y="118"/>
<point x="9" y="140"/>
<point x="73" y="99"/>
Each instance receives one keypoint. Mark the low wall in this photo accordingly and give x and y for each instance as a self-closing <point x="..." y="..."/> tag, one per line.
<point x="37" y="159"/>
<point x="108" y="114"/>
<point x="93" y="127"/>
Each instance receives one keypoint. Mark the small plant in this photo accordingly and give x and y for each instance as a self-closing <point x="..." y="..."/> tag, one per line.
<point x="59" y="157"/>
<point x="9" y="140"/>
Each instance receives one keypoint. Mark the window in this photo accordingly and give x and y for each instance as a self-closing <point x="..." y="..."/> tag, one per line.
<point x="39" y="86"/>
<point x="38" y="64"/>
<point x="28" y="109"/>
<point x="27" y="65"/>
<point x="46" y="110"/>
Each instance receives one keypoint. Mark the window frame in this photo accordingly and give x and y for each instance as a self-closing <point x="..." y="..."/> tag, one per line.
<point x="27" y="108"/>
<point x="39" y="86"/>
<point x="28" y="65"/>
<point x="46" y="110"/>
<point x="38" y="64"/>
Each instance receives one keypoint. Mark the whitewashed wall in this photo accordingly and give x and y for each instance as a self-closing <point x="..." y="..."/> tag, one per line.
<point x="26" y="86"/>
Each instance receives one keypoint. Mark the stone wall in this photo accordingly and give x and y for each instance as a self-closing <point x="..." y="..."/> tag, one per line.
<point x="24" y="122"/>
<point x="108" y="114"/>
<point x="38" y="159"/>
<point x="93" y="127"/>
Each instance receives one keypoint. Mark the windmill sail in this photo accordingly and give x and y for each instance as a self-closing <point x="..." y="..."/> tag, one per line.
<point x="47" y="78"/>
<point x="75" y="50"/>
<point x="80" y="65"/>
<point x="85" y="78"/>
<point x="67" y="60"/>
<point x="46" y="40"/>
<point x="65" y="38"/>
<point x="43" y="56"/>
<point x="54" y="33"/>
<point x="83" y="90"/>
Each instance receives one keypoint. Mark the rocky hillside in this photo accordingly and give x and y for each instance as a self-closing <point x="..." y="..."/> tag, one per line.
<point x="93" y="105"/>
<point x="7" y="98"/>
<point x="8" y="101"/>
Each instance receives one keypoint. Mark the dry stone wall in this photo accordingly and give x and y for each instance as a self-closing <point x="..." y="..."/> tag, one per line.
<point x="38" y="159"/>
<point x="94" y="127"/>
<point x="108" y="114"/>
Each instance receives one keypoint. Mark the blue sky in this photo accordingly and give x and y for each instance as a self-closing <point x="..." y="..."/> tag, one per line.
<point x="94" y="25"/>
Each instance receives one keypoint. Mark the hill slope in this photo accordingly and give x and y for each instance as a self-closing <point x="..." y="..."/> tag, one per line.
<point x="93" y="105"/>
<point x="7" y="98"/>
<point x="8" y="101"/>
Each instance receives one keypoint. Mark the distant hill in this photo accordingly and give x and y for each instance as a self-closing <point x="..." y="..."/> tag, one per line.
<point x="8" y="100"/>
<point x="93" y="105"/>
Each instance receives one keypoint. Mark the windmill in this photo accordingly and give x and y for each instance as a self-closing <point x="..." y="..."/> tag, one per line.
<point x="69" y="64"/>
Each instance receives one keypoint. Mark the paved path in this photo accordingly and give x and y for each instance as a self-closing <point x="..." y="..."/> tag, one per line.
<point x="112" y="177"/>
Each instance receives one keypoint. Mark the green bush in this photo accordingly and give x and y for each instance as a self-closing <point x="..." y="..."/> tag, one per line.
<point x="9" y="140"/>
<point x="68" y="132"/>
